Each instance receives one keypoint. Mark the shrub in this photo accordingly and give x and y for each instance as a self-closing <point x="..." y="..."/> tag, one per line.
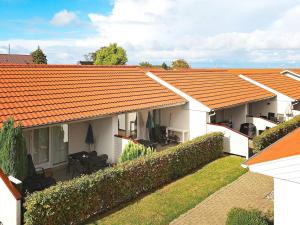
<point x="74" y="201"/>
<point x="238" y="216"/>
<point x="273" y="134"/>
<point x="13" y="160"/>
<point x="133" y="151"/>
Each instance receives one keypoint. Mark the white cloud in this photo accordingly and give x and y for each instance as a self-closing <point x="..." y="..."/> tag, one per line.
<point x="201" y="31"/>
<point x="63" y="18"/>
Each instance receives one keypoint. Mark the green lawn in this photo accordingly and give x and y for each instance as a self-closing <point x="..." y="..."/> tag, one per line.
<point x="167" y="203"/>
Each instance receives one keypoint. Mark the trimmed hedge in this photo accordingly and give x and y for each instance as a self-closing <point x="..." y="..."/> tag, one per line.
<point x="239" y="216"/>
<point x="273" y="134"/>
<point x="74" y="201"/>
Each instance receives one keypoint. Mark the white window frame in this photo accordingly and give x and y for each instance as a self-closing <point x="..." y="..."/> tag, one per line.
<point x="50" y="163"/>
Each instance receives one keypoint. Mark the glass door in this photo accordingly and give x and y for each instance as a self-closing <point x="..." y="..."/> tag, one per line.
<point x="60" y="143"/>
<point x="40" y="150"/>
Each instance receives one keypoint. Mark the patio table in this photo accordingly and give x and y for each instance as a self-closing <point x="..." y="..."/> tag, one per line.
<point x="84" y="158"/>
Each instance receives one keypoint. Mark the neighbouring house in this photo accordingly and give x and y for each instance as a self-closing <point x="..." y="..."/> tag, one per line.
<point x="15" y="59"/>
<point x="57" y="103"/>
<point x="217" y="101"/>
<point x="281" y="161"/>
<point x="287" y="90"/>
<point x="10" y="200"/>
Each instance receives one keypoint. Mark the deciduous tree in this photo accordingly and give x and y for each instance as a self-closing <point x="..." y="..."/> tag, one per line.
<point x="111" y="55"/>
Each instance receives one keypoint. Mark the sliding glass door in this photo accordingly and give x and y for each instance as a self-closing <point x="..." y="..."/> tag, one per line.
<point x="40" y="149"/>
<point x="48" y="146"/>
<point x="60" y="143"/>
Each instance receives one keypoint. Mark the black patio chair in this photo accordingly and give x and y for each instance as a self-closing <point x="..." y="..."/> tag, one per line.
<point x="98" y="162"/>
<point x="76" y="167"/>
<point x="36" y="179"/>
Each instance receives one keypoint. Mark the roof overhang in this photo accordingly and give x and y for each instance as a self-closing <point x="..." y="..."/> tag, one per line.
<point x="243" y="103"/>
<point x="101" y="116"/>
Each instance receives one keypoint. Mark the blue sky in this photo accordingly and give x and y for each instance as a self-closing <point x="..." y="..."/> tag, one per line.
<point x="207" y="33"/>
<point x="31" y="19"/>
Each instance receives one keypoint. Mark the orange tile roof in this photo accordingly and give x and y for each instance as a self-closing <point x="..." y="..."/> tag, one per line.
<point x="273" y="79"/>
<point x="215" y="88"/>
<point x="44" y="94"/>
<point x="15" y="59"/>
<point x="287" y="146"/>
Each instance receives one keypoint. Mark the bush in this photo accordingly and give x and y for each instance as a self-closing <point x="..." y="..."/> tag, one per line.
<point x="133" y="151"/>
<point x="13" y="160"/>
<point x="273" y="134"/>
<point x="238" y="216"/>
<point x="74" y="201"/>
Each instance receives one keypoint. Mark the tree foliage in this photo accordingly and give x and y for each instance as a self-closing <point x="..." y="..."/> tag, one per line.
<point x="165" y="66"/>
<point x="133" y="151"/>
<point x="180" y="64"/>
<point x="90" y="56"/>
<point x="111" y="55"/>
<point x="145" y="64"/>
<point x="13" y="153"/>
<point x="38" y="56"/>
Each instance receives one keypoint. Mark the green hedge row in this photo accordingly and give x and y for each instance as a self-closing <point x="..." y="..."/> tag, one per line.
<point x="239" y="216"/>
<point x="273" y="134"/>
<point x="76" y="200"/>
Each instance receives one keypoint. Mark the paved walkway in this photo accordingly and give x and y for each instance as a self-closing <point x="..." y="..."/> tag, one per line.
<point x="250" y="190"/>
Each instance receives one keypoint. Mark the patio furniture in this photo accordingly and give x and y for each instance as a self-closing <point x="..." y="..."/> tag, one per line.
<point x="248" y="129"/>
<point x="36" y="179"/>
<point x="98" y="162"/>
<point x="86" y="162"/>
<point x="172" y="132"/>
<point x="77" y="167"/>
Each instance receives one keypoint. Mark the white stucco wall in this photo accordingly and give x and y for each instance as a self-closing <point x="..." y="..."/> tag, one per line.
<point x="177" y="117"/>
<point x="10" y="208"/>
<point x="286" y="202"/>
<point x="237" y="115"/>
<point x="77" y="135"/>
<point x="119" y="144"/>
<point x="104" y="130"/>
<point x="234" y="142"/>
<point x="262" y="108"/>
<point x="197" y="123"/>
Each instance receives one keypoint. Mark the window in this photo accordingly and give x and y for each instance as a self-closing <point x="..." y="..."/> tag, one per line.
<point x="60" y="143"/>
<point x="40" y="153"/>
<point x="127" y="125"/>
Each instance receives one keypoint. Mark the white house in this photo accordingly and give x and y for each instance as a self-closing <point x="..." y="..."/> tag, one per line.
<point x="10" y="201"/>
<point x="57" y="103"/>
<point x="217" y="101"/>
<point x="287" y="90"/>
<point x="281" y="161"/>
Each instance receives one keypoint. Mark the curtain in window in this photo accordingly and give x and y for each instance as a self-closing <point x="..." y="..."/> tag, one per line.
<point x="60" y="143"/>
<point x="40" y="153"/>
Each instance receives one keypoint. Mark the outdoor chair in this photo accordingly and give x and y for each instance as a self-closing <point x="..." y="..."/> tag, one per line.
<point x="36" y="179"/>
<point x="99" y="162"/>
<point x="76" y="167"/>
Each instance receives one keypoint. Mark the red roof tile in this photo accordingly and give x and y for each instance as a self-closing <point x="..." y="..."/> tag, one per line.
<point x="273" y="79"/>
<point x="215" y="88"/>
<point x="15" y="59"/>
<point x="45" y="94"/>
<point x="287" y="146"/>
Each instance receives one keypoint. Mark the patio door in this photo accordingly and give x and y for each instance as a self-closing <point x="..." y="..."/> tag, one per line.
<point x="59" y="143"/>
<point x="40" y="147"/>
